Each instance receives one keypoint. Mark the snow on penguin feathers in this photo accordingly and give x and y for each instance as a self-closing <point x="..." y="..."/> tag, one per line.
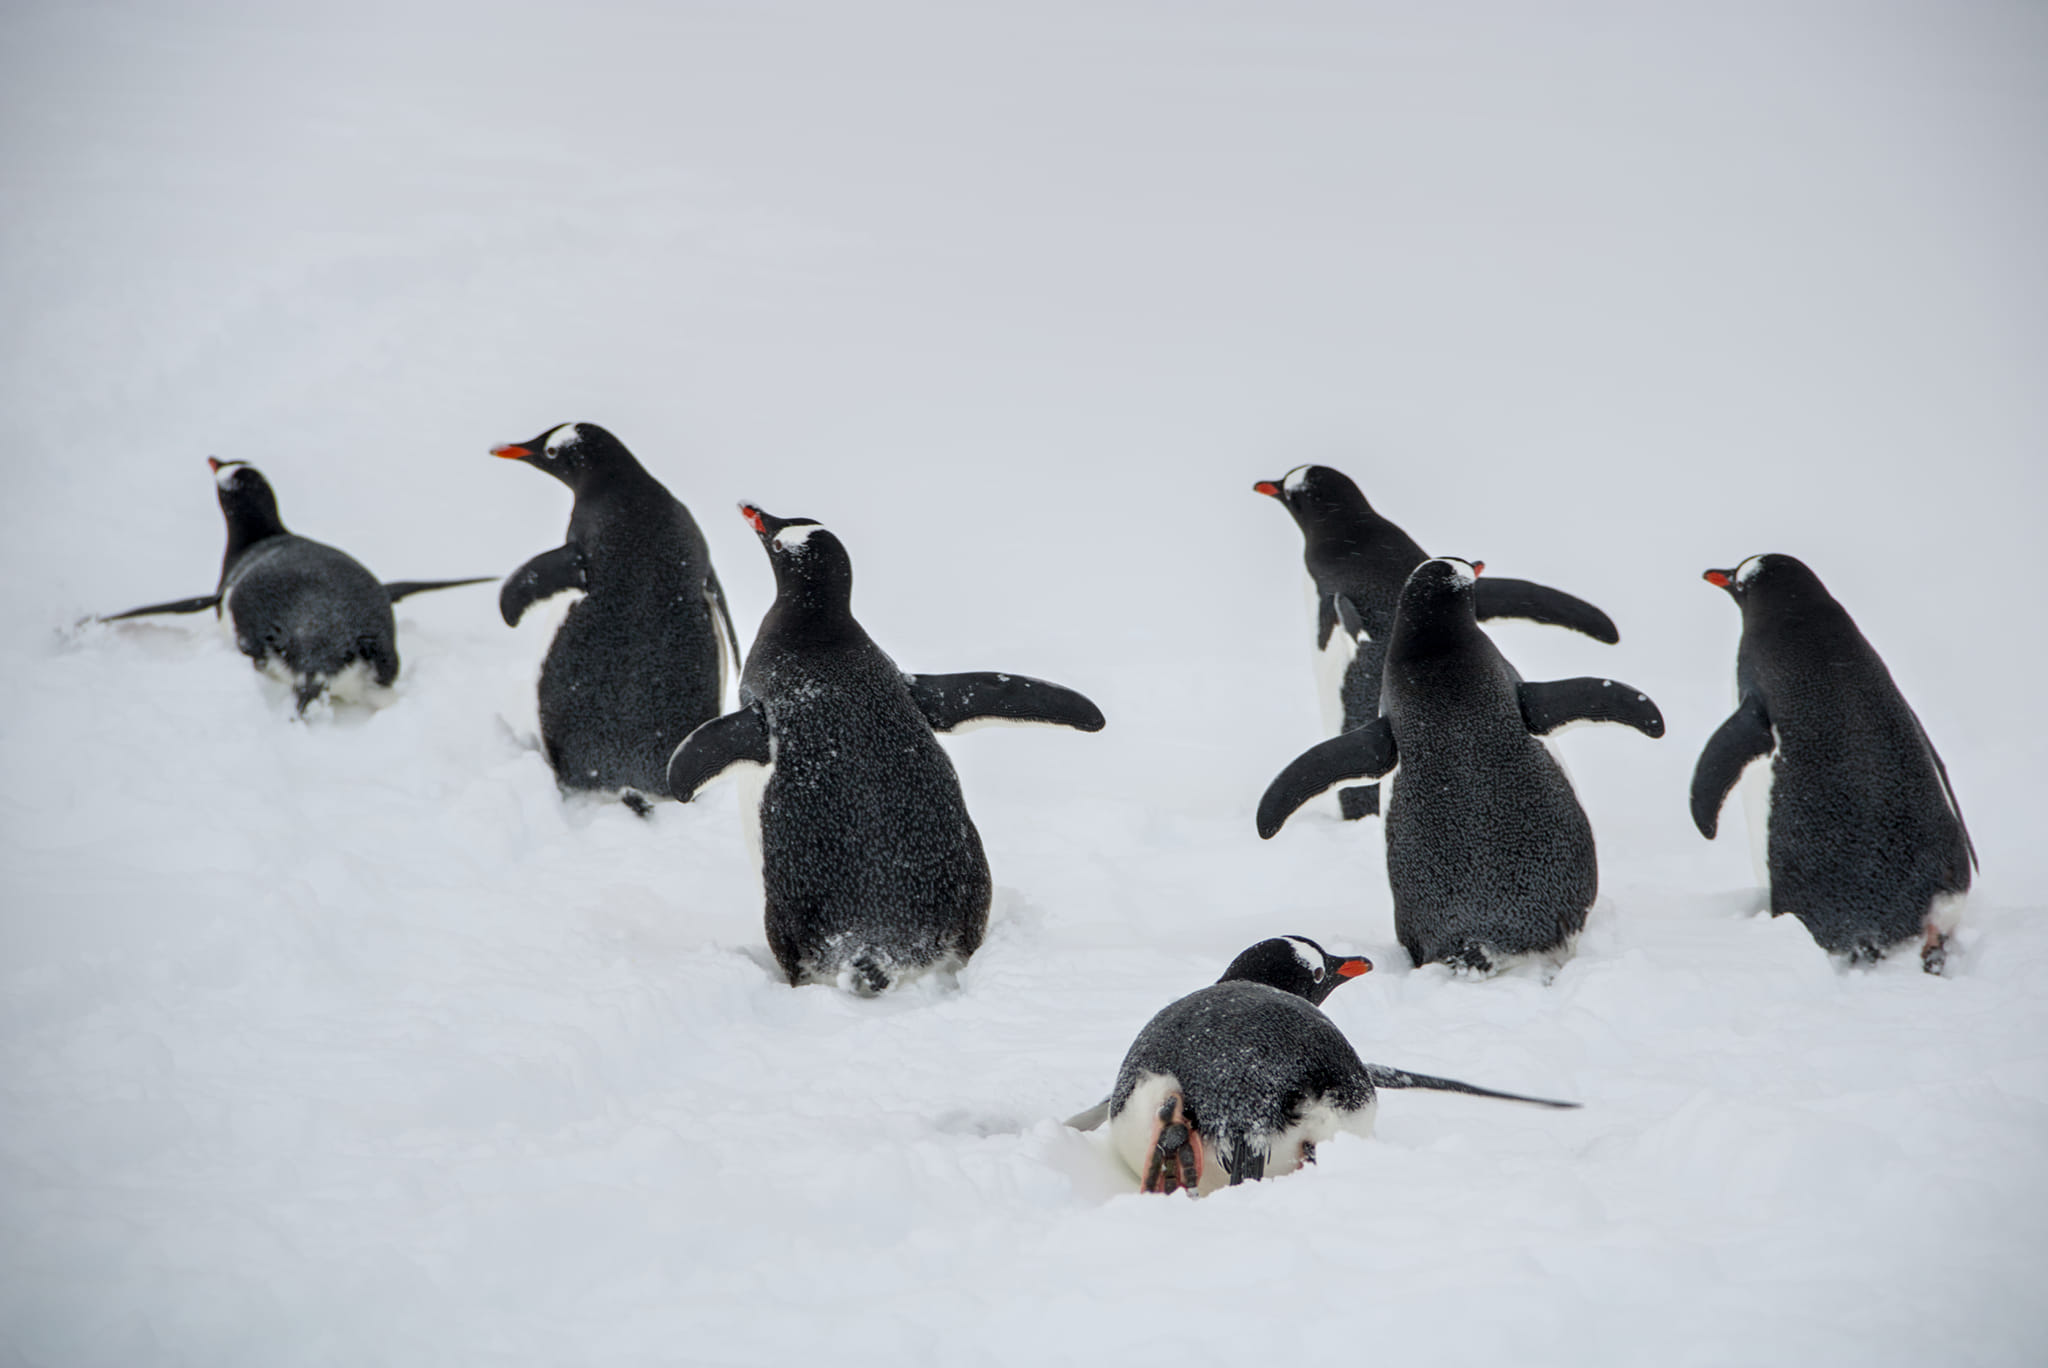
<point x="872" y="871"/>
<point x="1243" y="1079"/>
<point x="1490" y="857"/>
<point x="302" y="611"/>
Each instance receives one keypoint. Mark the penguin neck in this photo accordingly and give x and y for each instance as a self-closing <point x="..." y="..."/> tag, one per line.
<point x="247" y="527"/>
<point x="810" y="612"/>
<point x="1438" y="629"/>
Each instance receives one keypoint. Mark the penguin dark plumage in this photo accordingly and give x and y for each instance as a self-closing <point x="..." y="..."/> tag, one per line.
<point x="638" y="662"/>
<point x="1864" y="841"/>
<point x="872" y="871"/>
<point x="300" y="609"/>
<point x="1489" y="854"/>
<point x="1243" y="1079"/>
<point x="1358" y="562"/>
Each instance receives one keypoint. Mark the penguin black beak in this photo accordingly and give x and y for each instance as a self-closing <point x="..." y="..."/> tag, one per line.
<point x="1268" y="488"/>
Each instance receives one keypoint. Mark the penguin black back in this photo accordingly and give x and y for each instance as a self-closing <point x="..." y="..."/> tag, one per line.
<point x="1489" y="855"/>
<point x="638" y="662"/>
<point x="1865" y="841"/>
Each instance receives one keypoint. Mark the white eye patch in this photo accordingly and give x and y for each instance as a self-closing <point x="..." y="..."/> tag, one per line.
<point x="1466" y="578"/>
<point x="1310" y="958"/>
<point x="793" y="538"/>
<point x="567" y="435"/>
<point x="1748" y="570"/>
<point x="1295" y="479"/>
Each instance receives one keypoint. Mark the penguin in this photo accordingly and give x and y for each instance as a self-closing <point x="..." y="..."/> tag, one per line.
<point x="641" y="658"/>
<point x="872" y="871"/>
<point x="1357" y="562"/>
<point x="302" y="611"/>
<point x="1489" y="855"/>
<point x="1863" y="839"/>
<point x="1243" y="1079"/>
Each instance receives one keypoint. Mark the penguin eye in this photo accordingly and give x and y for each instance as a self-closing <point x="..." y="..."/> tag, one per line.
<point x="1319" y="973"/>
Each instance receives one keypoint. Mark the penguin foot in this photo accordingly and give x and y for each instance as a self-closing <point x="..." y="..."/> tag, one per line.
<point x="635" y="804"/>
<point x="1934" y="954"/>
<point x="1356" y="803"/>
<point x="1176" y="1162"/>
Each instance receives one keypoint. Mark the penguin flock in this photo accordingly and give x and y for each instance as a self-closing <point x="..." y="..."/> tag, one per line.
<point x="873" y="873"/>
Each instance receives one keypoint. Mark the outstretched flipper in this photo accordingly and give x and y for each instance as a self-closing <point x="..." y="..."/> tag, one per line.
<point x="1948" y="791"/>
<point x="1744" y="737"/>
<point x="1494" y="597"/>
<point x="961" y="702"/>
<point x="399" y="589"/>
<point x="190" y="605"/>
<point x="1548" y="706"/>
<point x="1366" y="753"/>
<point x="1175" y="1162"/>
<point x="1384" y="1077"/>
<point x="738" y="738"/>
<point x="549" y="573"/>
<point x="1091" y="1119"/>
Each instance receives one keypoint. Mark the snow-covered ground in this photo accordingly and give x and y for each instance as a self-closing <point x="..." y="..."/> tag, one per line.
<point x="350" y="1042"/>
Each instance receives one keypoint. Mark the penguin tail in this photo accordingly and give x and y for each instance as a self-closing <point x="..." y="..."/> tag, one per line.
<point x="865" y="976"/>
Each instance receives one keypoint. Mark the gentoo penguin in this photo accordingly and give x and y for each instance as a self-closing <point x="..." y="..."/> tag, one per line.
<point x="301" y="610"/>
<point x="872" y="870"/>
<point x="1863" y="839"/>
<point x="638" y="662"/>
<point x="1357" y="562"/>
<point x="1243" y="1079"/>
<point x="1489" y="854"/>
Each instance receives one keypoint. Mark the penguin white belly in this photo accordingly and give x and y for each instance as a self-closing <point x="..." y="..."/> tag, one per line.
<point x="1333" y="662"/>
<point x="1757" y="778"/>
<point x="1132" y="1131"/>
<point x="751" y="782"/>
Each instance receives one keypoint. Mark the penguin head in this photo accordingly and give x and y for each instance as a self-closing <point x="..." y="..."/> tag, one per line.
<point x="571" y="452"/>
<point x="1295" y="964"/>
<point x="810" y="563"/>
<point x="1441" y="588"/>
<point x="1313" y="493"/>
<point x="246" y="500"/>
<point x="1768" y="578"/>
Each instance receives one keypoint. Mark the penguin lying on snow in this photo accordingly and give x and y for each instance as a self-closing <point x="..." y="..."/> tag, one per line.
<point x="1489" y="855"/>
<point x="1243" y="1079"/>
<point x="300" y="609"/>
<point x="1861" y="835"/>
<point x="1358" y="562"/>
<point x="872" y="870"/>
<point x="639" y="661"/>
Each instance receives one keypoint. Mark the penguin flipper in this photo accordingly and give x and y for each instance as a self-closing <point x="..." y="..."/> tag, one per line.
<point x="1368" y="752"/>
<point x="1549" y="706"/>
<point x="549" y="573"/>
<point x="1948" y="789"/>
<point x="1512" y="598"/>
<point x="738" y="738"/>
<point x="1744" y="737"/>
<point x="190" y="605"/>
<point x="1384" y="1077"/>
<point x="1091" y="1119"/>
<point x="960" y="702"/>
<point x="398" y="589"/>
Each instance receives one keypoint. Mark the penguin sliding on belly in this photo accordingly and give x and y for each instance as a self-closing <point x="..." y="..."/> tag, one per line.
<point x="1358" y="561"/>
<point x="872" y="870"/>
<point x="301" y="610"/>
<point x="1243" y="1079"/>
<point x="1489" y="855"/>
<point x="1864" y="841"/>
<point x="638" y="662"/>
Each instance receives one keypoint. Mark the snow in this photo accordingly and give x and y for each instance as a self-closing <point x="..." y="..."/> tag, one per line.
<point x="350" y="1041"/>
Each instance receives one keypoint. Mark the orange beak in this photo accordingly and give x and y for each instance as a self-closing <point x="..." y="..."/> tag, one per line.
<point x="511" y="453"/>
<point x="753" y="517"/>
<point x="1267" y="488"/>
<point x="1352" y="968"/>
<point x="1717" y="578"/>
